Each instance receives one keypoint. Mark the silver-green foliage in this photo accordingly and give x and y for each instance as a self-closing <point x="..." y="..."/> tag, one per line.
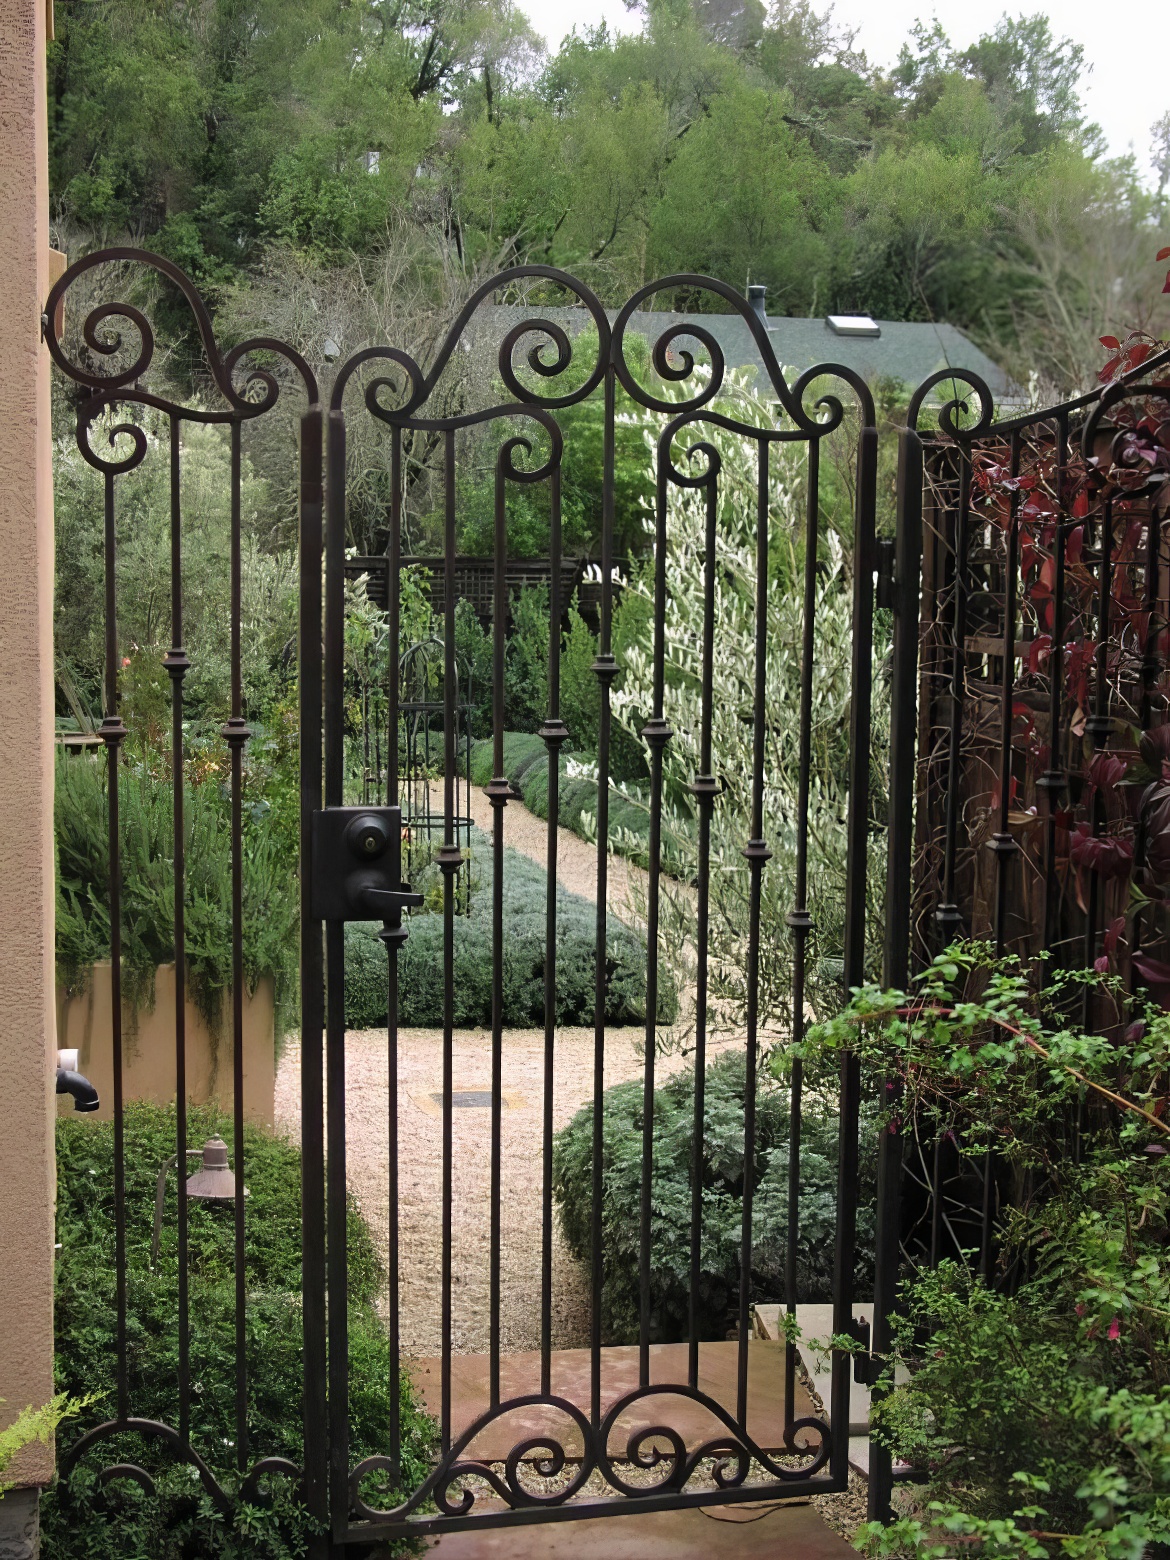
<point x="143" y="564"/>
<point x="734" y="663"/>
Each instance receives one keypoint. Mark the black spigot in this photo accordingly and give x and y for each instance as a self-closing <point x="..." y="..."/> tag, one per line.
<point x="85" y="1096"/>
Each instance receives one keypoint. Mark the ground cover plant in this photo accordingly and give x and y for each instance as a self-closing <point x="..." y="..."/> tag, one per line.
<point x="1037" y="1403"/>
<point x="723" y="1181"/>
<point x="420" y="959"/>
<point x="82" y="1522"/>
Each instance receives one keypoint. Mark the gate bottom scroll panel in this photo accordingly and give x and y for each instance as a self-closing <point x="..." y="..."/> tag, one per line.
<point x="648" y="1452"/>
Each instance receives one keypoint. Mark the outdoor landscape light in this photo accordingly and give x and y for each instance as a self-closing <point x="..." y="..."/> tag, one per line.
<point x="215" y="1182"/>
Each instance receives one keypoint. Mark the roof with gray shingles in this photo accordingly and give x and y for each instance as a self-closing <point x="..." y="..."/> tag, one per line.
<point x="907" y="350"/>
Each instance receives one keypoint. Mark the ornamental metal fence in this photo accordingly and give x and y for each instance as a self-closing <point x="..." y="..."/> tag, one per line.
<point x="981" y="728"/>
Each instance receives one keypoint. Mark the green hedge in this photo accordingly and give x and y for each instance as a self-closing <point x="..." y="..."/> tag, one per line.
<point x="526" y="767"/>
<point x="420" y="961"/>
<point x="723" y="1168"/>
<point x="179" y="1522"/>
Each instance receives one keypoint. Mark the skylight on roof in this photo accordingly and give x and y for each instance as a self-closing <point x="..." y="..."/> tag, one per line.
<point x="852" y="325"/>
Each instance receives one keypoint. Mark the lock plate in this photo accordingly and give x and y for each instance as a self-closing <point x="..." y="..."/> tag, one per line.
<point x="355" y="849"/>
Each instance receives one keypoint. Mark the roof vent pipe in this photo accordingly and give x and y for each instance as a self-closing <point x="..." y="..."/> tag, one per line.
<point x="755" y="296"/>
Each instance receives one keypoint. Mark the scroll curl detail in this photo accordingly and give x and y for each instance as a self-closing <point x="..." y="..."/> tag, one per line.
<point x="1127" y="449"/>
<point x="455" y="1467"/>
<point x="831" y="403"/>
<point x="758" y="330"/>
<point x="737" y="1442"/>
<point x="151" y="1429"/>
<point x="948" y="410"/>
<point x="112" y="464"/>
<point x="108" y="343"/>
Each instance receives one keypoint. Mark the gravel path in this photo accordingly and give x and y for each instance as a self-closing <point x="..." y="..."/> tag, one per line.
<point x="420" y="1079"/>
<point x="420" y="1071"/>
<point x="576" y="859"/>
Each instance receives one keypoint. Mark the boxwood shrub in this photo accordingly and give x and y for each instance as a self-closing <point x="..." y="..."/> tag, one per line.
<point x="723" y="1174"/>
<point x="420" y="961"/>
<point x="82" y="1522"/>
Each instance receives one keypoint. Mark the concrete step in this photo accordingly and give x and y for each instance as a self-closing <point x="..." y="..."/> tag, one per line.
<point x="816" y="1328"/>
<point x="773" y="1531"/>
<point x="570" y="1378"/>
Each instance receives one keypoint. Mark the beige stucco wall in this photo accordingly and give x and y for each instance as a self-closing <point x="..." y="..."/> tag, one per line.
<point x="27" y="1024"/>
<point x="148" y="1048"/>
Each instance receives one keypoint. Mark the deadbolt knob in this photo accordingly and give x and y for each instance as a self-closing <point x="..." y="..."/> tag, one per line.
<point x="368" y="836"/>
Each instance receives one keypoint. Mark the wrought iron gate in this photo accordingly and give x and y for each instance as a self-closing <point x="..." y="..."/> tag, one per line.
<point x="602" y="1451"/>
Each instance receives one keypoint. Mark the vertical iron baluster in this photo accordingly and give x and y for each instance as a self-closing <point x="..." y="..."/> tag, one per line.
<point x="312" y="1003"/>
<point x="497" y="793"/>
<point x="176" y="663"/>
<point x="394" y="613"/>
<point x="899" y="902"/>
<point x="1054" y="779"/>
<point x="1098" y="728"/>
<point x="856" y="873"/>
<point x="1003" y="841"/>
<point x="1151" y="661"/>
<point x="987" y="1213"/>
<point x="757" y="853"/>
<point x="1151" y="666"/>
<point x="335" y="977"/>
<point x="948" y="915"/>
<point x="449" y="858"/>
<point x="605" y="667"/>
<point x="237" y="734"/>
<point x="113" y="734"/>
<point x="394" y="629"/>
<point x="554" y="732"/>
<point x="705" y="788"/>
<point x="657" y="734"/>
<point x="366" y="729"/>
<point x="798" y="918"/>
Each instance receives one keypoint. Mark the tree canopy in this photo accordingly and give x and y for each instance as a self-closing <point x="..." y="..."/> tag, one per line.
<point x="724" y="136"/>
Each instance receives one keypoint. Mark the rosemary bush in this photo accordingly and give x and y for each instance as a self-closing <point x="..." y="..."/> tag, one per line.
<point x="271" y="911"/>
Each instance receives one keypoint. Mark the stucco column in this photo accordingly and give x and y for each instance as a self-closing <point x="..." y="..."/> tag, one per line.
<point x="27" y="1018"/>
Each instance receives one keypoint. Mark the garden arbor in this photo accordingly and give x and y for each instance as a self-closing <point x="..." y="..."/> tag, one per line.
<point x="661" y="1437"/>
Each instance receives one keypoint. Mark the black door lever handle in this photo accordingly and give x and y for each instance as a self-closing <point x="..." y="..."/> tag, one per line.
<point x="389" y="902"/>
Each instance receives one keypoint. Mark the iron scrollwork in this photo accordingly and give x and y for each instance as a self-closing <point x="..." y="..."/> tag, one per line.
<point x="731" y="1454"/>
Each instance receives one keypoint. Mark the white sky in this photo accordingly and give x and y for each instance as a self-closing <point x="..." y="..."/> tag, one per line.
<point x="1127" y="44"/>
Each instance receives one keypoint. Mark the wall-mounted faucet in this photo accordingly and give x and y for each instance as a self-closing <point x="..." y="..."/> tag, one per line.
<point x="70" y="1081"/>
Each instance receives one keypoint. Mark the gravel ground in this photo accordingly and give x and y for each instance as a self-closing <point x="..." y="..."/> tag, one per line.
<point x="420" y="1072"/>
<point x="420" y="1079"/>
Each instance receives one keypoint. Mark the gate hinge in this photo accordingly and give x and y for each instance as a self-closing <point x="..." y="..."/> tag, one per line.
<point x="867" y="1367"/>
<point x="885" y="573"/>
